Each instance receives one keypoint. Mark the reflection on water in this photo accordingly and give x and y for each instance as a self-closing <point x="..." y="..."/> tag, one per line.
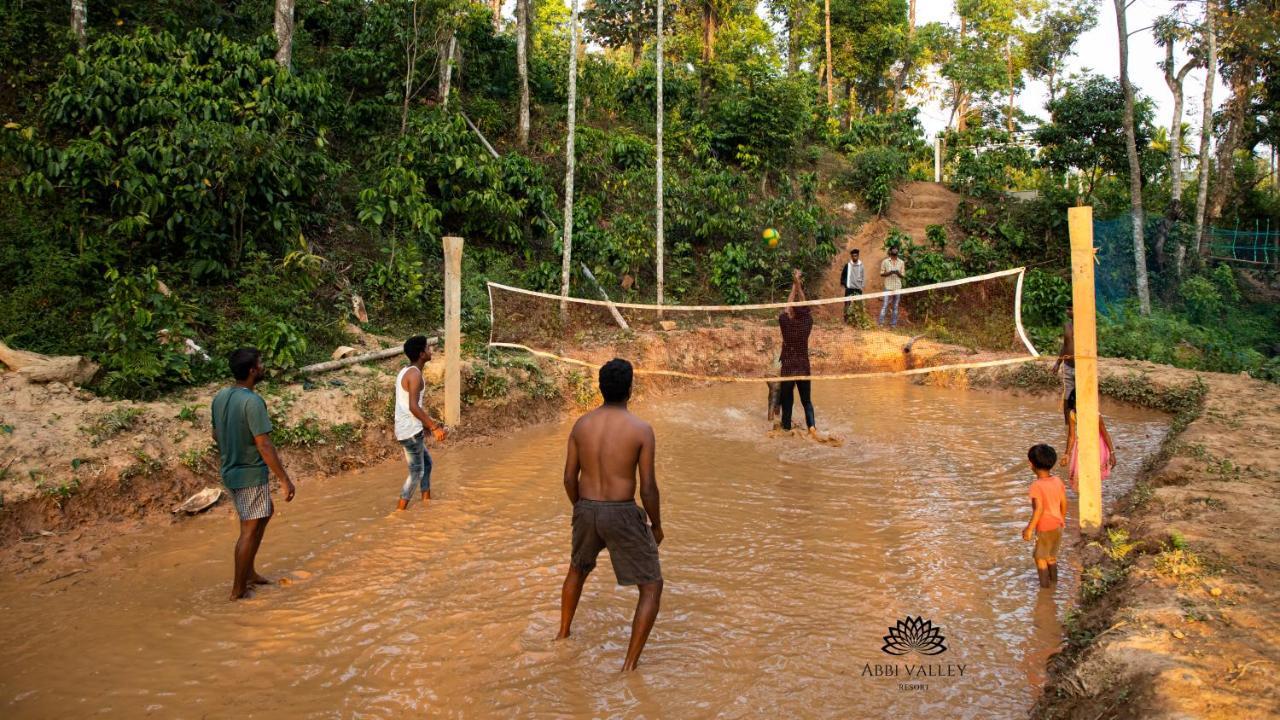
<point x="785" y="561"/>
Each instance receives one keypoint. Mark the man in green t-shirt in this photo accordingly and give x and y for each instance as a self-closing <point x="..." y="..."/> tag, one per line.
<point x="242" y="431"/>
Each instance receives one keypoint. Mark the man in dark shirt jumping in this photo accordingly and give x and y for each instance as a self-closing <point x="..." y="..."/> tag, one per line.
<point x="796" y="324"/>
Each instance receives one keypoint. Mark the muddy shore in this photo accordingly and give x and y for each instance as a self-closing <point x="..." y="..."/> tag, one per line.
<point x="1177" y="615"/>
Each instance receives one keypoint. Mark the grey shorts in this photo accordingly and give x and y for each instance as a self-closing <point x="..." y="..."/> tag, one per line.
<point x="253" y="503"/>
<point x="623" y="528"/>
<point x="1047" y="545"/>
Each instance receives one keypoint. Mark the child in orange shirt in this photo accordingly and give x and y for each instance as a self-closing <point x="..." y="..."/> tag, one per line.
<point x="1048" y="512"/>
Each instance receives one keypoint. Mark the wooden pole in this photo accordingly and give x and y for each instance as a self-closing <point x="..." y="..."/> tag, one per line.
<point x="658" y="200"/>
<point x="452" y="330"/>
<point x="1084" y="318"/>
<point x="617" y="316"/>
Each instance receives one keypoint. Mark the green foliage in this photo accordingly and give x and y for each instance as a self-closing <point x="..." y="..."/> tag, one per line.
<point x="190" y="149"/>
<point x="1137" y="389"/>
<point x="761" y="118"/>
<point x="1086" y="131"/>
<point x="112" y="423"/>
<point x="438" y="179"/>
<point x="483" y="383"/>
<point x="139" y="332"/>
<point x="282" y="345"/>
<point x="61" y="492"/>
<point x="986" y="165"/>
<point x="876" y="172"/>
<point x="1045" y="299"/>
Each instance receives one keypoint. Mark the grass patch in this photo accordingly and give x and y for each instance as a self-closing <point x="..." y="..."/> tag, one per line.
<point x="194" y="459"/>
<point x="1033" y="376"/>
<point x="60" y="493"/>
<point x="1137" y="389"/>
<point x="112" y="423"/>
<point x="143" y="466"/>
<point x="188" y="414"/>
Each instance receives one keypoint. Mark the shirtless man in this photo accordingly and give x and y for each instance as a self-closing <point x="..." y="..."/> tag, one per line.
<point x="606" y="449"/>
<point x="1067" y="361"/>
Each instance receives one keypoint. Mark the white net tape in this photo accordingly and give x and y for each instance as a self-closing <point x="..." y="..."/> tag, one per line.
<point x="966" y="323"/>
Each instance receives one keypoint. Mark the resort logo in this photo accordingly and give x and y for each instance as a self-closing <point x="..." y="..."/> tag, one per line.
<point x="914" y="636"/>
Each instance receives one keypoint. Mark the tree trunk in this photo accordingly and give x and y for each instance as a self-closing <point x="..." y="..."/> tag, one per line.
<point x="637" y="50"/>
<point x="1241" y="95"/>
<point x="410" y="69"/>
<point x="959" y="96"/>
<point x="658" y="192"/>
<point x="792" y="42"/>
<point x="522" y="70"/>
<point x="445" y="64"/>
<point x="1173" y="213"/>
<point x="907" y="60"/>
<point x="284" y="33"/>
<point x="848" y="104"/>
<point x="569" y="151"/>
<point x="1008" y="68"/>
<point x="1206" y="126"/>
<point x="495" y="6"/>
<point x="708" y="50"/>
<point x="831" y="75"/>
<point x="79" y="18"/>
<point x="709" y="22"/>
<point x="1135" y="166"/>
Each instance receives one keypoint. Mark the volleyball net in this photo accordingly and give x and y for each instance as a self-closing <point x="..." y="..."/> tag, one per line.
<point x="965" y="323"/>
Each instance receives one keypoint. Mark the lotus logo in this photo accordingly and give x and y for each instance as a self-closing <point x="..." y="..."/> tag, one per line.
<point x="915" y="634"/>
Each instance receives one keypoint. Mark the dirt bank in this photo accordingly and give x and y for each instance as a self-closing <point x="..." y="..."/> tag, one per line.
<point x="1178" y="615"/>
<point x="77" y="469"/>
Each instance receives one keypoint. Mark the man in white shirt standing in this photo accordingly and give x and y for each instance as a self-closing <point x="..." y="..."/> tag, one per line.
<point x="853" y="280"/>
<point x="411" y="419"/>
<point x="894" y="271"/>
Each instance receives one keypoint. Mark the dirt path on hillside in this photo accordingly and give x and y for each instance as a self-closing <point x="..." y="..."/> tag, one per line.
<point x="915" y="206"/>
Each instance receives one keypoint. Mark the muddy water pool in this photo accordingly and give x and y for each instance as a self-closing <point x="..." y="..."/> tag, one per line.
<point x="785" y="562"/>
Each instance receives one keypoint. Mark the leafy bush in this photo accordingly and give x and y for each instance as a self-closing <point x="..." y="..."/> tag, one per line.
<point x="140" y="331"/>
<point x="985" y="166"/>
<point x="875" y="173"/>
<point x="1045" y="299"/>
<point x="190" y="149"/>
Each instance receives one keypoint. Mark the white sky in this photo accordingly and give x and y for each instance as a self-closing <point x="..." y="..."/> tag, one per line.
<point x="1099" y="51"/>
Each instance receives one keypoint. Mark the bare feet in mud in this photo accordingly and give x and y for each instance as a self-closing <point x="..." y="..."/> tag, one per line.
<point x="826" y="438"/>
<point x="259" y="580"/>
<point x="813" y="434"/>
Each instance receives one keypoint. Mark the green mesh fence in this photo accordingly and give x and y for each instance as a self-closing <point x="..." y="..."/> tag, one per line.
<point x="1115" y="272"/>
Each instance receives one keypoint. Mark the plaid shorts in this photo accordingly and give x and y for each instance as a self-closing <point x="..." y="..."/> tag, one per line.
<point x="254" y="502"/>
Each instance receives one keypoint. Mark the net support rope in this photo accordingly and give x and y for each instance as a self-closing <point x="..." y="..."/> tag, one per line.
<point x="1020" y="272"/>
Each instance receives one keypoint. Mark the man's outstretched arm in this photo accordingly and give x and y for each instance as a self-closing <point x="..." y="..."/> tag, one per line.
<point x="571" y="468"/>
<point x="649" y="483"/>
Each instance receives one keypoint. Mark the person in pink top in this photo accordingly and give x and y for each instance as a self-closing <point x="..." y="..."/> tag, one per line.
<point x="1106" y="449"/>
<point x="1048" y="513"/>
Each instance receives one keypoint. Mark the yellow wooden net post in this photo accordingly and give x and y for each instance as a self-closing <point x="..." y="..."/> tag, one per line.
<point x="1088" y="467"/>
<point x="452" y="330"/>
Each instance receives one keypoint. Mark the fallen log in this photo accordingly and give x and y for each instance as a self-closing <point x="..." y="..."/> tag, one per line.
<point x="70" y="369"/>
<point x="357" y="359"/>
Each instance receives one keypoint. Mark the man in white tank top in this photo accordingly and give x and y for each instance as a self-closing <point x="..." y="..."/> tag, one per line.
<point x="411" y="419"/>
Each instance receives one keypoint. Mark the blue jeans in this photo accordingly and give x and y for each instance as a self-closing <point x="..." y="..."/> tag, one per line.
<point x="415" y="453"/>
<point x="886" y="302"/>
